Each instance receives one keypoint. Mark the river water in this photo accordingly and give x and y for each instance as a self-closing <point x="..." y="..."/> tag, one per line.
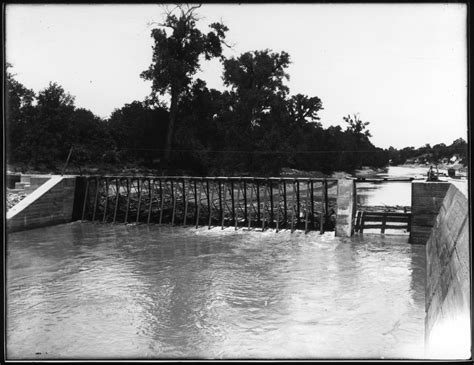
<point x="83" y="290"/>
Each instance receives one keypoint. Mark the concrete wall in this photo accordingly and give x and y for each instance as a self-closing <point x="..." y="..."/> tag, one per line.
<point x="346" y="207"/>
<point x="426" y="200"/>
<point x="447" y="322"/>
<point x="52" y="203"/>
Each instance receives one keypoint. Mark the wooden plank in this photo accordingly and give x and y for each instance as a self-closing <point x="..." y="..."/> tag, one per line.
<point x="386" y="218"/>
<point x="387" y="226"/>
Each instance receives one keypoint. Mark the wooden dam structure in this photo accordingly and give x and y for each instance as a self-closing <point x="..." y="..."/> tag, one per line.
<point x="247" y="202"/>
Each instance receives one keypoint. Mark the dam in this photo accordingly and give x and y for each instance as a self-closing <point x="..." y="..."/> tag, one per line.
<point x="224" y="290"/>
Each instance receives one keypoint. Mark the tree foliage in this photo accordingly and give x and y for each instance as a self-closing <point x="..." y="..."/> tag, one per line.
<point x="178" y="46"/>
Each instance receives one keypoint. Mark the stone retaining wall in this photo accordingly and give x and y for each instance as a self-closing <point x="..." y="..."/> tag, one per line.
<point x="426" y="200"/>
<point x="52" y="203"/>
<point x="447" y="322"/>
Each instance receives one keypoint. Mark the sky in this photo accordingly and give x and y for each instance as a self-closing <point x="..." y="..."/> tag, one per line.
<point x="400" y="67"/>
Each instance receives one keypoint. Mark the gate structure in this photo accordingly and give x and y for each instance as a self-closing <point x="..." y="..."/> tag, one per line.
<point x="251" y="202"/>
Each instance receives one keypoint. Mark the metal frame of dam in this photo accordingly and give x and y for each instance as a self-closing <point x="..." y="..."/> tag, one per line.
<point x="279" y="203"/>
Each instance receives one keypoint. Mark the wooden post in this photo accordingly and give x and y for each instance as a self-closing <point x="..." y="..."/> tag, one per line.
<point x="278" y="207"/>
<point x="293" y="208"/>
<point x="238" y="203"/>
<point x="270" y="185"/>
<point x="85" y="200"/>
<point x="162" y="202"/>
<point x="297" y="201"/>
<point x="150" y="197"/>
<point x="140" y="188"/>
<point x="186" y="201"/>
<point x="264" y="204"/>
<point x="245" y="200"/>
<point x="128" y="201"/>
<point x="210" y="205"/>
<point x="220" y="200"/>
<point x="104" y="217"/>
<point x="198" y="204"/>
<point x="258" y="201"/>
<point x="326" y="201"/>
<point x="232" y="198"/>
<point x="195" y="198"/>
<point x="312" y="204"/>
<point x="117" y="197"/>
<point x="307" y="207"/>
<point x="225" y="202"/>
<point x="251" y="205"/>
<point x="384" y="222"/>
<point x="357" y="221"/>
<point x="321" y="223"/>
<point x="97" y="184"/>
<point x="285" y="208"/>
<point x="173" y="194"/>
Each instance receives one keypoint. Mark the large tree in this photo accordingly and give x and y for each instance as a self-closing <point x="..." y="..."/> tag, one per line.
<point x="178" y="47"/>
<point x="18" y="112"/>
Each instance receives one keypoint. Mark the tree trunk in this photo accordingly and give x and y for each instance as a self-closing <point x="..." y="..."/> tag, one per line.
<point x="170" y="132"/>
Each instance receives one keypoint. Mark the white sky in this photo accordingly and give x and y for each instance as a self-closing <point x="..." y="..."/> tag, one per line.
<point x="402" y="67"/>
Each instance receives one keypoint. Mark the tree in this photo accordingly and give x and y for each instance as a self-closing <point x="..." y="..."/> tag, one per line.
<point x="18" y="112"/>
<point x="304" y="109"/>
<point x="48" y="136"/>
<point x="176" y="58"/>
<point x="357" y="127"/>
<point x="134" y="128"/>
<point x="256" y="79"/>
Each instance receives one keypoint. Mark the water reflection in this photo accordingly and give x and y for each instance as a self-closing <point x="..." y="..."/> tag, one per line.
<point x="389" y="193"/>
<point x="116" y="291"/>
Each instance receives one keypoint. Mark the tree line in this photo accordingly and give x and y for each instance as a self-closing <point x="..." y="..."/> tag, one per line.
<point x="439" y="153"/>
<point x="252" y="127"/>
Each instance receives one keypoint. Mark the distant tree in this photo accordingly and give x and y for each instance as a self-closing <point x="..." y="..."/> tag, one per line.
<point x="257" y="120"/>
<point x="138" y="131"/>
<point x="48" y="137"/>
<point x="357" y="126"/>
<point x="18" y="112"/>
<point x="304" y="109"/>
<point x="176" y="56"/>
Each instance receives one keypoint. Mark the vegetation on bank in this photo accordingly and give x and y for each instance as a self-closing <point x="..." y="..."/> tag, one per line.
<point x="254" y="127"/>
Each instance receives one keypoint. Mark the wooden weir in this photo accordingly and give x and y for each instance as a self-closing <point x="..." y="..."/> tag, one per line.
<point x="382" y="221"/>
<point x="251" y="202"/>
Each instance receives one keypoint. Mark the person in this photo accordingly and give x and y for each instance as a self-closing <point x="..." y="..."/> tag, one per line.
<point x="432" y="176"/>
